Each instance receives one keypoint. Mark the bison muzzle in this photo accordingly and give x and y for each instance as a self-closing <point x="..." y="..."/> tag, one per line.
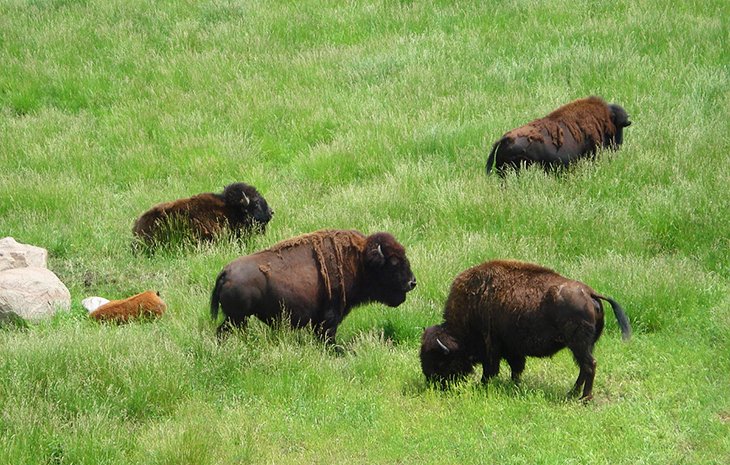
<point x="511" y="310"/>
<point x="313" y="279"/>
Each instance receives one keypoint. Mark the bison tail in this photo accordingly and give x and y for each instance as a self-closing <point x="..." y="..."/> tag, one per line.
<point x="492" y="160"/>
<point x="215" y="295"/>
<point x="621" y="318"/>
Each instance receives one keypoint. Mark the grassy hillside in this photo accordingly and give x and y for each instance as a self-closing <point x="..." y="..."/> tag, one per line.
<point x="373" y="116"/>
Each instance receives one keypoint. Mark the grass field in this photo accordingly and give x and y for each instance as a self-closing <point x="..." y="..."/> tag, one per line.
<point x="373" y="116"/>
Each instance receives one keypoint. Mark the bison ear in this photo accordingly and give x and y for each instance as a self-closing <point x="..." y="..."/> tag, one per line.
<point x="374" y="255"/>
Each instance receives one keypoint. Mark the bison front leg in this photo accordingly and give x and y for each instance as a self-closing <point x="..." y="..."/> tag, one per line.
<point x="326" y="333"/>
<point x="517" y="366"/>
<point x="327" y="329"/>
<point x="490" y="366"/>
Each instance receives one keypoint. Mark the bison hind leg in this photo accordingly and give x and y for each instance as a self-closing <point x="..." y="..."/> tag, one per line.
<point x="230" y="323"/>
<point x="587" y="364"/>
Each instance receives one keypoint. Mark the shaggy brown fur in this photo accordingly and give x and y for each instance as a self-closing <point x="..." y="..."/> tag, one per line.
<point x="239" y="208"/>
<point x="333" y="251"/>
<point x="511" y="310"/>
<point x="145" y="305"/>
<point x="315" y="278"/>
<point x="584" y="118"/>
<point x="572" y="131"/>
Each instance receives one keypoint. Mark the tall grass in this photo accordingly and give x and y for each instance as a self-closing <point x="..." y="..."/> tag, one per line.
<point x="372" y="116"/>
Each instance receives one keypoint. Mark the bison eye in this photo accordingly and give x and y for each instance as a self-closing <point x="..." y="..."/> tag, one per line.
<point x="393" y="261"/>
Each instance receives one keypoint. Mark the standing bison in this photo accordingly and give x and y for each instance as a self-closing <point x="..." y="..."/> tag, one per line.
<point x="510" y="310"/>
<point x="315" y="279"/>
<point x="240" y="209"/>
<point x="571" y="132"/>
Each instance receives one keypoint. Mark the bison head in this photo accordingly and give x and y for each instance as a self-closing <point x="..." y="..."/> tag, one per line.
<point x="621" y="120"/>
<point x="251" y="205"/>
<point x="443" y="357"/>
<point x="387" y="265"/>
<point x="260" y="211"/>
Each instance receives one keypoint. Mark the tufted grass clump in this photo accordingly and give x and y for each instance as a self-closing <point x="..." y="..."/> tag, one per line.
<point x="375" y="116"/>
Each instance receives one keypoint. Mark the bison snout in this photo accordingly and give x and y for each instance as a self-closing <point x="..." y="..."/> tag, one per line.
<point x="412" y="284"/>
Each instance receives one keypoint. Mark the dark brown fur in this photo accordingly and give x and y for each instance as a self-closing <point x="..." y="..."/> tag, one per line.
<point x="511" y="310"/>
<point x="145" y="305"/>
<point x="573" y="131"/>
<point x="239" y="208"/>
<point x="315" y="279"/>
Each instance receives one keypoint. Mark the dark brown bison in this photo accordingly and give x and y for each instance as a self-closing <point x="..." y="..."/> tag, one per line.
<point x="240" y="209"/>
<point x="571" y="132"/>
<point x="314" y="279"/>
<point x="510" y="310"/>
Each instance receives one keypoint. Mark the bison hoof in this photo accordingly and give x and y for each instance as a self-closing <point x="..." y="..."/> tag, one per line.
<point x="336" y="349"/>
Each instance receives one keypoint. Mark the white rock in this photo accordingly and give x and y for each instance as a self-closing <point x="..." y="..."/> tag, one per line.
<point x="92" y="303"/>
<point x="13" y="254"/>
<point x="32" y="293"/>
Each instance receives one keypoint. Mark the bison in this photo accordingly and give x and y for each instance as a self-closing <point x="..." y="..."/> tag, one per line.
<point x="509" y="310"/>
<point x="571" y="132"/>
<point x="314" y="279"/>
<point x="239" y="208"/>
<point x="147" y="304"/>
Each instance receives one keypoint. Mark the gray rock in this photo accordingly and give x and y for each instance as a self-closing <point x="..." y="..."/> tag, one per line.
<point x="13" y="254"/>
<point x="32" y="293"/>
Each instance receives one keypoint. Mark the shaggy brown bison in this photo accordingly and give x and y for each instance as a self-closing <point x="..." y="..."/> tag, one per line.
<point x="510" y="310"/>
<point x="145" y="305"/>
<point x="314" y="279"/>
<point x="240" y="209"/>
<point x="573" y="131"/>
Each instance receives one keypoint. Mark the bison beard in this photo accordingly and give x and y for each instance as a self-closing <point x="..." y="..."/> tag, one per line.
<point x="571" y="132"/>
<point x="315" y="278"/>
<point x="511" y="310"/>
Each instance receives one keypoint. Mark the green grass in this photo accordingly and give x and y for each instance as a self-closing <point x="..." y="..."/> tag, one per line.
<point x="372" y="116"/>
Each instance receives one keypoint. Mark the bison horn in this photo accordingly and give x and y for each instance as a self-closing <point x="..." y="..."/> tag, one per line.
<point x="443" y="346"/>
<point x="380" y="252"/>
<point x="244" y="200"/>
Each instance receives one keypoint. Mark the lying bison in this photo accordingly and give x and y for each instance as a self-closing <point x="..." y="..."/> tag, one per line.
<point x="571" y="132"/>
<point x="239" y="209"/>
<point x="148" y="304"/>
<point x="510" y="310"/>
<point x="315" y="279"/>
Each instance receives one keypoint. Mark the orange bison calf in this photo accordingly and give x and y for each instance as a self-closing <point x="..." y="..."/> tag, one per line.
<point x="571" y="132"/>
<point x="240" y="208"/>
<point x="145" y="305"/>
<point x="511" y="310"/>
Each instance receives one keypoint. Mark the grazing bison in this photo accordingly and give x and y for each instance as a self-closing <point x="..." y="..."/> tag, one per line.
<point x="573" y="131"/>
<point x="510" y="310"/>
<point x="314" y="279"/>
<point x="145" y="305"/>
<point x="240" y="208"/>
